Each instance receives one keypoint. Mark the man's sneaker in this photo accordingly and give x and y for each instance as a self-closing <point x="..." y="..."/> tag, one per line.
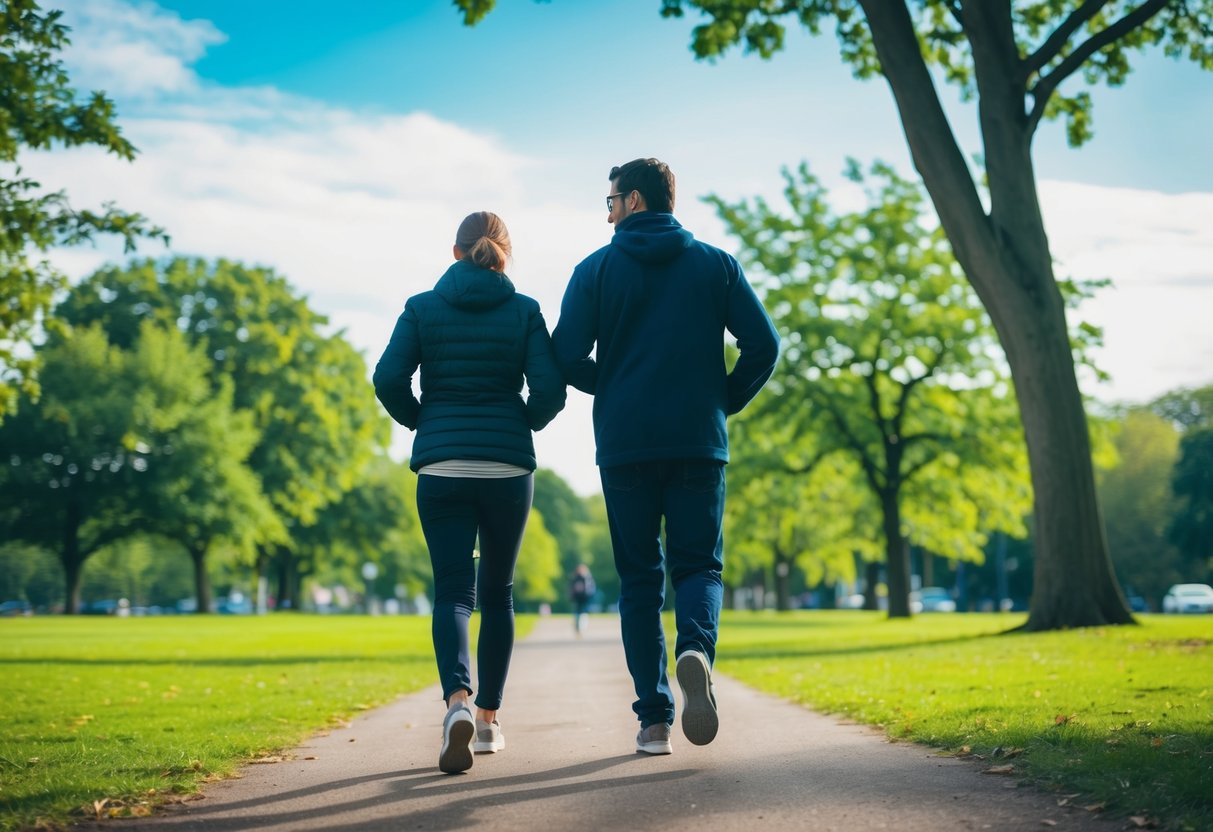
<point x="489" y="738"/>
<point x="457" y="731"/>
<point x="654" y="739"/>
<point x="699" y="719"/>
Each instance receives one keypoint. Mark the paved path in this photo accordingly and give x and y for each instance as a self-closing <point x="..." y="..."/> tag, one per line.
<point x="570" y="764"/>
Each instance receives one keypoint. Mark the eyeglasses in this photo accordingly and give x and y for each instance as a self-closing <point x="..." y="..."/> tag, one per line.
<point x="611" y="197"/>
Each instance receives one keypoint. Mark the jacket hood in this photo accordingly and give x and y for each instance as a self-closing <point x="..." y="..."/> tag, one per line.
<point x="652" y="237"/>
<point x="468" y="286"/>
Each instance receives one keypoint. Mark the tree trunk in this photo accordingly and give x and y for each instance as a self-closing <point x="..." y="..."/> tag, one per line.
<point x="780" y="573"/>
<point x="1006" y="257"/>
<point x="202" y="584"/>
<point x="71" y="557"/>
<point x="262" y="580"/>
<point x="871" y="577"/>
<point x="897" y="557"/>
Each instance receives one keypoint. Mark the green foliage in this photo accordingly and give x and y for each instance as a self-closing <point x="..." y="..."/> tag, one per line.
<point x="31" y="574"/>
<point x="595" y="546"/>
<point x="1192" y="527"/>
<point x="888" y="360"/>
<point x="375" y="521"/>
<point x="563" y="511"/>
<point x="39" y="110"/>
<point x="315" y="415"/>
<point x="538" y="577"/>
<point x="474" y="10"/>
<point x="86" y="459"/>
<point x="140" y="710"/>
<point x="1186" y="408"/>
<point x="1137" y="504"/>
<point x="1053" y="40"/>
<point x="1119" y="715"/>
<point x="816" y="522"/>
<point x="145" y="569"/>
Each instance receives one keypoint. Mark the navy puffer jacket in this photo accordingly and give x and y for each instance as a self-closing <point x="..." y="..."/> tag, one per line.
<point x="475" y="338"/>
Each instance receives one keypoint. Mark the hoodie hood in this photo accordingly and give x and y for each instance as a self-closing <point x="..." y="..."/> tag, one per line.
<point x="468" y="286"/>
<point x="652" y="237"/>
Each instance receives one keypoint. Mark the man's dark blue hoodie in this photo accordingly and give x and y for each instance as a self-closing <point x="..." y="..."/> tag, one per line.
<point x="657" y="303"/>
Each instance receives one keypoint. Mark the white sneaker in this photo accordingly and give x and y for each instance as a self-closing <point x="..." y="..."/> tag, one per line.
<point x="699" y="719"/>
<point x="489" y="738"/>
<point x="654" y="739"/>
<point x="457" y="731"/>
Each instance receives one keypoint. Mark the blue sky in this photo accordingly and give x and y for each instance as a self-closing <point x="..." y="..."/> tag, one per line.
<point x="342" y="146"/>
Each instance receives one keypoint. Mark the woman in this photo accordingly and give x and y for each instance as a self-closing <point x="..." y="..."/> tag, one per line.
<point x="474" y="338"/>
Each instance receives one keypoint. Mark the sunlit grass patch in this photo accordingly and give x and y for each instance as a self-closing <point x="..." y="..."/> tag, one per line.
<point x="108" y="716"/>
<point x="1119" y="718"/>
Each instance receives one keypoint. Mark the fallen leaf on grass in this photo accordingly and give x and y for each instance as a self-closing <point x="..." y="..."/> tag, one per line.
<point x="1095" y="807"/>
<point x="99" y="807"/>
<point x="1007" y="769"/>
<point x="1143" y="821"/>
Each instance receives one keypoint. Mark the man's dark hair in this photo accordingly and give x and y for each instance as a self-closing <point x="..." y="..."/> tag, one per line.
<point x="654" y="180"/>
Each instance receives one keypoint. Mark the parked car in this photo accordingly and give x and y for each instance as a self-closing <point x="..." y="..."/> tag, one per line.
<point x="1183" y="598"/>
<point x="9" y="609"/>
<point x="932" y="599"/>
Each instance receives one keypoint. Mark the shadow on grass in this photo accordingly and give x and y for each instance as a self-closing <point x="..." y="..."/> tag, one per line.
<point x="782" y="651"/>
<point x="248" y="661"/>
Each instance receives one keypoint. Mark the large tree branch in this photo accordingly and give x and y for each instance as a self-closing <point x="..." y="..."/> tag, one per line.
<point x="937" y="156"/>
<point x="870" y="469"/>
<point x="1053" y="44"/>
<point x="1043" y="90"/>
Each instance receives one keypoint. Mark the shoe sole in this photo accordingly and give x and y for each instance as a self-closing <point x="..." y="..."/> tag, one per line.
<point x="489" y="747"/>
<point x="699" y="719"/>
<point x="456" y="755"/>
<point x="654" y="748"/>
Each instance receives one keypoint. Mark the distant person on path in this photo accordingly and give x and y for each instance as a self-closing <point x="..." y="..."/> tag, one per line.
<point x="581" y="592"/>
<point x="474" y="339"/>
<point x="656" y="303"/>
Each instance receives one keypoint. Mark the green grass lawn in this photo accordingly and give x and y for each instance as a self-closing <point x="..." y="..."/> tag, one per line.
<point x="1119" y="719"/>
<point x="138" y="710"/>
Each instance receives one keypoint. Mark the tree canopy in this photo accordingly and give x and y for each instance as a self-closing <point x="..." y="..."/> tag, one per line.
<point x="888" y="360"/>
<point x="40" y="110"/>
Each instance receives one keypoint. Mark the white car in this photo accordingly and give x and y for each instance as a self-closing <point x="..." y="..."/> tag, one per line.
<point x="932" y="599"/>
<point x="1188" y="598"/>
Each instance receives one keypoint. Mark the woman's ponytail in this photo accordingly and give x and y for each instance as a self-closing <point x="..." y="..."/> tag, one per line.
<point x="484" y="239"/>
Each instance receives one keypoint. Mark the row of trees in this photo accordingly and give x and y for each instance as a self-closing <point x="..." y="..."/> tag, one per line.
<point x="203" y="404"/>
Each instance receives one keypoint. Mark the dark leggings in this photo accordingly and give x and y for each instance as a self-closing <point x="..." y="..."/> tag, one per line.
<point x="452" y="511"/>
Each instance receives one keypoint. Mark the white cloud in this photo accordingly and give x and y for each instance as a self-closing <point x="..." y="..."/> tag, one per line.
<point x="1158" y="250"/>
<point x="134" y="49"/>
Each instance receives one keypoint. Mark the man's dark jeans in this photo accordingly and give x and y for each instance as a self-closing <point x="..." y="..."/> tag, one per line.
<point x="689" y="495"/>
<point x="452" y="511"/>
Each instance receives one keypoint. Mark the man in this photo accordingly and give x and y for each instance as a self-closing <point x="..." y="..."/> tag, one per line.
<point x="656" y="303"/>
